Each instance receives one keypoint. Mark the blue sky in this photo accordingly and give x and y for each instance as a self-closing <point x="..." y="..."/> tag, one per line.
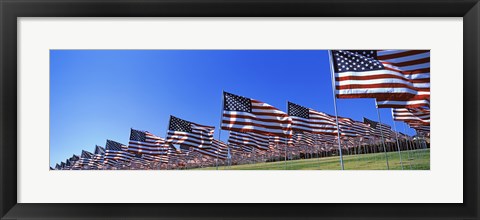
<point x="100" y="94"/>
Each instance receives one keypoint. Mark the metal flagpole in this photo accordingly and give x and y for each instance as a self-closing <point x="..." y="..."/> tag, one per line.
<point x="408" y="146"/>
<point x="398" y="146"/>
<point x="335" y="105"/>
<point x="220" y="129"/>
<point x="383" y="140"/>
<point x="285" y="157"/>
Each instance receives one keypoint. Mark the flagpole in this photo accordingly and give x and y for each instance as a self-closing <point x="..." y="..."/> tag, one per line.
<point x="381" y="133"/>
<point x="220" y="129"/>
<point x="335" y="106"/>
<point x="414" y="155"/>
<point x="285" y="156"/>
<point x="408" y="146"/>
<point x="398" y="146"/>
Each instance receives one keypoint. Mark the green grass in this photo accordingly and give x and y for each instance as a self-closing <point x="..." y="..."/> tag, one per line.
<point x="418" y="160"/>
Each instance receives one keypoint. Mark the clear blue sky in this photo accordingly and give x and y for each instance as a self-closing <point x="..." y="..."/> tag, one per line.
<point x="100" y="94"/>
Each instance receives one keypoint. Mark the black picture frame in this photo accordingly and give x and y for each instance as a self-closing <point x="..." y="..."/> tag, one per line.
<point x="10" y="10"/>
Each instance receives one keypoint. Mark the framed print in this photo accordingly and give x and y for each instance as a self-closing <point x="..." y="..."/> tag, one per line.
<point x="268" y="109"/>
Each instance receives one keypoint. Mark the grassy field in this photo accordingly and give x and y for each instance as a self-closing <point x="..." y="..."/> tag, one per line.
<point x="412" y="160"/>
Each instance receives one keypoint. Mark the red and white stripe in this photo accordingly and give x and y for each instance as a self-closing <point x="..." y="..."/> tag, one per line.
<point x="411" y="114"/>
<point x="263" y="119"/>
<point x="406" y="75"/>
<point x="249" y="139"/>
<point x="200" y="137"/>
<point x="415" y="66"/>
<point x="152" y="145"/>
<point x="218" y="150"/>
<point x="317" y="123"/>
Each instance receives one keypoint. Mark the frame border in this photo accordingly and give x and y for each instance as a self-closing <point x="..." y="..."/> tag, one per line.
<point x="10" y="10"/>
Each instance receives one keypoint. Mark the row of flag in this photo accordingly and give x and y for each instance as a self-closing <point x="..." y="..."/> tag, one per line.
<point x="300" y="127"/>
<point x="396" y="79"/>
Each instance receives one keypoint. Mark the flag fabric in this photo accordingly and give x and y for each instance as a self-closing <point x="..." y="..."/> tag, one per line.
<point x="175" y="154"/>
<point x="68" y="164"/>
<point x="115" y="153"/>
<point x="218" y="149"/>
<point x="86" y="154"/>
<point x="379" y="129"/>
<point x="346" y="127"/>
<point x="411" y="114"/>
<point x="85" y="159"/>
<point x="415" y="64"/>
<point x="188" y="133"/>
<point x="419" y="126"/>
<point x="304" y="139"/>
<point x="413" y="102"/>
<point x="139" y="160"/>
<point x="99" y="150"/>
<point x="249" y="139"/>
<point x="98" y="156"/>
<point x="327" y="139"/>
<point x="384" y="75"/>
<point x="235" y="149"/>
<point x="144" y="142"/>
<point x="156" y="158"/>
<point x="309" y="120"/>
<point x="243" y="114"/>
<point x="248" y="149"/>
<point x="361" y="129"/>
<point x="280" y="141"/>
<point x="71" y="163"/>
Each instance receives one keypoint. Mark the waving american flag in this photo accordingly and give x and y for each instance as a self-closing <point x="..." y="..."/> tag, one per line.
<point x="388" y="75"/>
<point x="190" y="134"/>
<point x="412" y="114"/>
<point x="243" y="114"/>
<point x="249" y="139"/>
<point x="309" y="120"/>
<point x="413" y="64"/>
<point x="116" y="153"/>
<point x="144" y="142"/>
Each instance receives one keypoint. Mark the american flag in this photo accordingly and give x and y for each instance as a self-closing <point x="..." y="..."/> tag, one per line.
<point x="218" y="149"/>
<point x="416" y="101"/>
<point x="175" y="154"/>
<point x="249" y="139"/>
<point x="139" y="160"/>
<point x="419" y="126"/>
<point x="85" y="158"/>
<point x="304" y="139"/>
<point x="144" y="142"/>
<point x="72" y="162"/>
<point x="412" y="114"/>
<point x="235" y="149"/>
<point x="156" y="158"/>
<point x="116" y="153"/>
<point x="280" y="141"/>
<point x="188" y="133"/>
<point x="98" y="156"/>
<point x="377" y="74"/>
<point x="379" y="129"/>
<point x="309" y="120"/>
<point x="243" y="114"/>
<point x="415" y="65"/>
<point x="361" y="129"/>
<point x="68" y="164"/>
<point x="346" y="127"/>
<point x="248" y="149"/>
<point x="328" y="139"/>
